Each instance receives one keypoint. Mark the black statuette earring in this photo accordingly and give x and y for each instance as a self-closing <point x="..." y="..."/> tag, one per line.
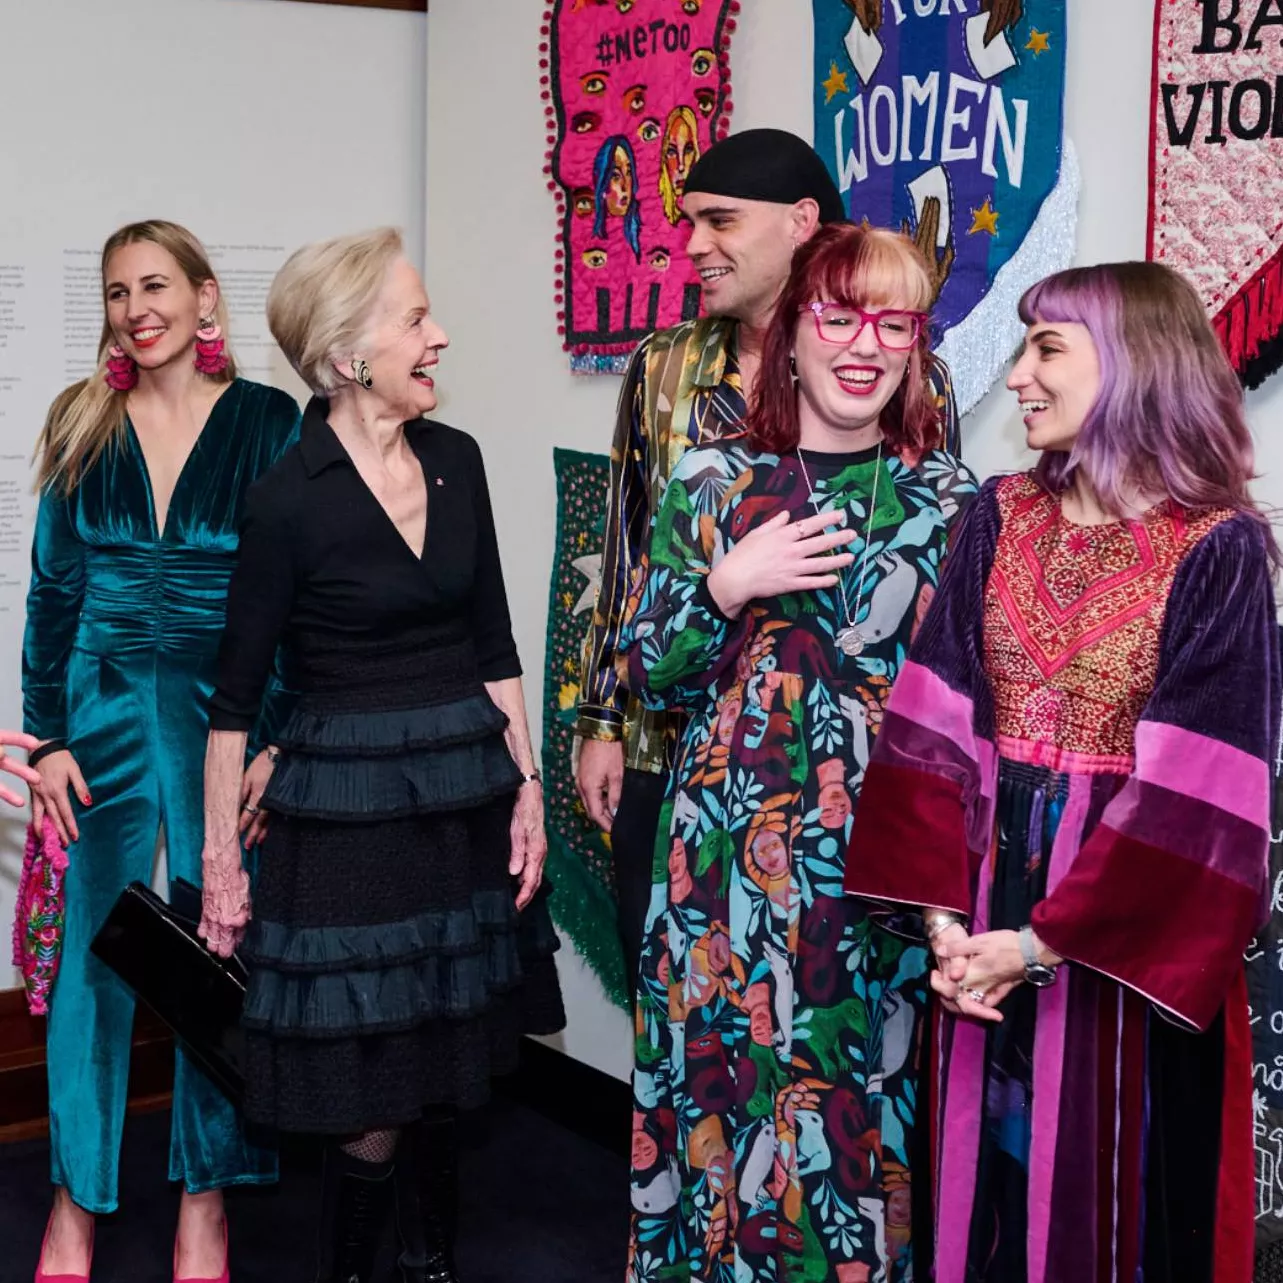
<point x="361" y="373"/>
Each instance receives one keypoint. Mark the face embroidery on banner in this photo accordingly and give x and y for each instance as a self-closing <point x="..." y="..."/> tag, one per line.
<point x="1216" y="169"/>
<point x="636" y="91"/>
<point x="949" y="123"/>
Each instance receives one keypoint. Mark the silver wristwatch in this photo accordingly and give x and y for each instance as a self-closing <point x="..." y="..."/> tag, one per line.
<point x="1035" y="973"/>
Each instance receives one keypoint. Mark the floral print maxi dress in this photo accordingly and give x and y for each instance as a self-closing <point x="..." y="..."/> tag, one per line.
<point x="775" y="1078"/>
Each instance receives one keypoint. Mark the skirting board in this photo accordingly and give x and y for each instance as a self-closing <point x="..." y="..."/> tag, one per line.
<point x="582" y="1099"/>
<point x="24" y="1094"/>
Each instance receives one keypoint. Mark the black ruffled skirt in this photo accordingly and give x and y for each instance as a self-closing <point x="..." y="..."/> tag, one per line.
<point x="389" y="968"/>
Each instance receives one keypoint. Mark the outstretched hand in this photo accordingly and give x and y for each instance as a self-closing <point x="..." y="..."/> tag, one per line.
<point x="28" y="774"/>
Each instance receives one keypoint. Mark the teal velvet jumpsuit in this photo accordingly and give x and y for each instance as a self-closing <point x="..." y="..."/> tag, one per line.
<point x="123" y="623"/>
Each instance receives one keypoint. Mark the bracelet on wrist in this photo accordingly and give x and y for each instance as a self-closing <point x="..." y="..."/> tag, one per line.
<point x="531" y="777"/>
<point x="937" y="923"/>
<point x="45" y="749"/>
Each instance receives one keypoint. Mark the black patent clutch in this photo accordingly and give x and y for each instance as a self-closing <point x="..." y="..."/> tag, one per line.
<point x="153" y="947"/>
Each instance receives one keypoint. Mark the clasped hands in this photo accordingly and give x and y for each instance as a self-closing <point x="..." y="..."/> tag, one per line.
<point x="975" y="973"/>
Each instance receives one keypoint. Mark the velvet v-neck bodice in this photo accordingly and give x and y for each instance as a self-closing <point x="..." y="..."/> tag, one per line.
<point x="105" y="581"/>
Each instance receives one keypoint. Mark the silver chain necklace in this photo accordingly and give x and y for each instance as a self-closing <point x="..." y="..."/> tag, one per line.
<point x="850" y="640"/>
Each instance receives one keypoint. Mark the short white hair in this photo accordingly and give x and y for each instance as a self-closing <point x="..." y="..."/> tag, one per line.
<point x="320" y="302"/>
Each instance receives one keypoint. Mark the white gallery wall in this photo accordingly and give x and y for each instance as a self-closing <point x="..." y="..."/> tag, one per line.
<point x="489" y="254"/>
<point x="260" y="124"/>
<point x="266" y="123"/>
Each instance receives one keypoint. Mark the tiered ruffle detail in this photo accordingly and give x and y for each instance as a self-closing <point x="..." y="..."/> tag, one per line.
<point x="326" y="982"/>
<point x="385" y="764"/>
<point x="389" y="967"/>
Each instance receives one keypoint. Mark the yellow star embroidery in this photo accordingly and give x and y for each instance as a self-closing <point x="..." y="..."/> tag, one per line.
<point x="567" y="599"/>
<point x="835" y="84"/>
<point x="568" y="696"/>
<point x="570" y="666"/>
<point x="984" y="219"/>
<point x="1039" y="41"/>
<point x="581" y="539"/>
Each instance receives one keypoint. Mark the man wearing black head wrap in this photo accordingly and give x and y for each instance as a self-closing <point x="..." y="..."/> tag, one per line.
<point x="768" y="165"/>
<point x="752" y="199"/>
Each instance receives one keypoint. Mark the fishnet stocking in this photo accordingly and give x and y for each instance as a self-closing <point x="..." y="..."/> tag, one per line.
<point x="372" y="1147"/>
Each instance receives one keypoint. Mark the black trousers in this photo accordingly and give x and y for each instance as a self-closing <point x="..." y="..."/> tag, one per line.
<point x="632" y="843"/>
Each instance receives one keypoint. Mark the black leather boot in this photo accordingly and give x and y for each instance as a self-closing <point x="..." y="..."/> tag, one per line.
<point x="356" y="1202"/>
<point x="427" y="1198"/>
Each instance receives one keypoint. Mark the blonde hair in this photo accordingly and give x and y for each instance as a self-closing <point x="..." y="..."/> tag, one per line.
<point x="86" y="417"/>
<point x="667" y="192"/>
<point x="321" y="300"/>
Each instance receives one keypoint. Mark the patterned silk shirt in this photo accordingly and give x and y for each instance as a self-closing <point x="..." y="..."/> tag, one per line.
<point x="682" y="389"/>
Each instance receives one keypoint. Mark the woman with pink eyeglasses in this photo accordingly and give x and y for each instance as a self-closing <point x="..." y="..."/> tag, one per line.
<point x="775" y="1082"/>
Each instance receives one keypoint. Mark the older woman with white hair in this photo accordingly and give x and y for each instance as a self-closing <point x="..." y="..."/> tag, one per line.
<point x="400" y="942"/>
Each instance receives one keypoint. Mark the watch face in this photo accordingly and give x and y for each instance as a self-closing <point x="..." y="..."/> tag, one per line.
<point x="1039" y="976"/>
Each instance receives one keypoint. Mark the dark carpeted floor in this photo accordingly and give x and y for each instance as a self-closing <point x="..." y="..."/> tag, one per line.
<point x="540" y="1205"/>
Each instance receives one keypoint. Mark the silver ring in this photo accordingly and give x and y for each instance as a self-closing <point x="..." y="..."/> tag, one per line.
<point x="976" y="995"/>
<point x="252" y="810"/>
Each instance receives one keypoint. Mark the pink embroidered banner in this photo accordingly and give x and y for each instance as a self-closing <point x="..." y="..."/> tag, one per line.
<point x="1216" y="168"/>
<point x="635" y="91"/>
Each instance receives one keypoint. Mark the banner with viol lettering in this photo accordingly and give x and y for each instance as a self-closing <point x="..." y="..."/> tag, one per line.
<point x="1216" y="167"/>
<point x="950" y="123"/>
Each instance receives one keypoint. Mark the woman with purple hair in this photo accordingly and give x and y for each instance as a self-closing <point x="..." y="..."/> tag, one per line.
<point x="1071" y="788"/>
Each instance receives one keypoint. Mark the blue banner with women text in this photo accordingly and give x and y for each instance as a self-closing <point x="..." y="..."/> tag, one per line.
<point x="946" y="118"/>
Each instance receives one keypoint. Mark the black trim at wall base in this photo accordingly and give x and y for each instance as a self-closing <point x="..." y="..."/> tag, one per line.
<point x="576" y="1096"/>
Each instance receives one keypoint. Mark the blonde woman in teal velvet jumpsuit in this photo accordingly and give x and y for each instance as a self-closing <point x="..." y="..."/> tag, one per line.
<point x="141" y="488"/>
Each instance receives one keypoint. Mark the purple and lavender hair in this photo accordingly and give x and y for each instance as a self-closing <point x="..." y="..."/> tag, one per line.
<point x="1169" y="415"/>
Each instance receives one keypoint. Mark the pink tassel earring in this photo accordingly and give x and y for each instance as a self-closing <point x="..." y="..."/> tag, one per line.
<point x="211" y="351"/>
<point x="121" y="373"/>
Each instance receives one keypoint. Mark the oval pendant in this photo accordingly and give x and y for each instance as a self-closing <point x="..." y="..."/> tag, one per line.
<point x="850" y="642"/>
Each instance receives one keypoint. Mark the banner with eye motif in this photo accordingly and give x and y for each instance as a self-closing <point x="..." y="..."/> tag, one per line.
<point x="947" y="119"/>
<point x="635" y="92"/>
<point x="1216" y="168"/>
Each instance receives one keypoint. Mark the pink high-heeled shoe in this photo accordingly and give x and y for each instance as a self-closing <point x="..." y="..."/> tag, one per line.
<point x="224" y="1277"/>
<point x="42" y="1277"/>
